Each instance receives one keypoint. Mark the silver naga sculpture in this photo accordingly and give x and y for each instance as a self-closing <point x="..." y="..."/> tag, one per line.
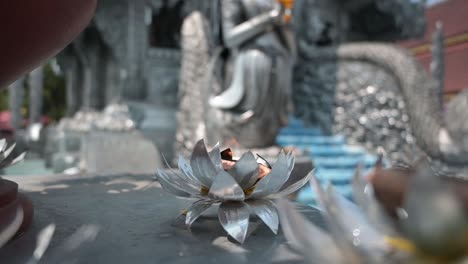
<point x="377" y="94"/>
<point x="244" y="92"/>
<point x="407" y="114"/>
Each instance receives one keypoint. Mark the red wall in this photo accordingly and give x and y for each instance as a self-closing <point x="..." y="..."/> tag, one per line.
<point x="454" y="16"/>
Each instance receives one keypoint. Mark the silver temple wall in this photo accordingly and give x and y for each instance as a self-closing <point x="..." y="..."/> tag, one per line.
<point x="124" y="64"/>
<point x="131" y="51"/>
<point x="35" y="83"/>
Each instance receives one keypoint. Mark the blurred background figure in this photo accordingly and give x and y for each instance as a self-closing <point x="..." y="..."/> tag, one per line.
<point x="261" y="52"/>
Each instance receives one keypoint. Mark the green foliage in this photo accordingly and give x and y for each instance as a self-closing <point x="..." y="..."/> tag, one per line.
<point x="54" y="95"/>
<point x="3" y="99"/>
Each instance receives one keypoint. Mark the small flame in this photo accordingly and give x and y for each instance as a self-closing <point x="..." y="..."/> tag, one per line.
<point x="288" y="5"/>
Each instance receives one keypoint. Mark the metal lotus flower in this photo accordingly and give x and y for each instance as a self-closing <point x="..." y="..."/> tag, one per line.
<point x="434" y="225"/>
<point x="5" y="152"/>
<point x="239" y="189"/>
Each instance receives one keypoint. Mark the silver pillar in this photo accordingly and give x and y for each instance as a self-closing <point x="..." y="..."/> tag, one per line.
<point x="87" y="75"/>
<point x="36" y="87"/>
<point x="16" y="96"/>
<point x="437" y="63"/>
<point x="136" y="50"/>
<point x="71" y="74"/>
<point x="87" y="87"/>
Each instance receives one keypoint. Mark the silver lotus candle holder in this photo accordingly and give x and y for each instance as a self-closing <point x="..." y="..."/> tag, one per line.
<point x="239" y="187"/>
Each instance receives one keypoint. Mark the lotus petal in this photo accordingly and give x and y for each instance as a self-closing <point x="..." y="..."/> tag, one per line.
<point x="348" y="250"/>
<point x="245" y="171"/>
<point x="291" y="162"/>
<point x="186" y="169"/>
<point x="272" y="182"/>
<point x="18" y="159"/>
<point x="261" y="160"/>
<point x="215" y="156"/>
<point x="7" y="152"/>
<point x="266" y="210"/>
<point x="234" y="217"/>
<point x="287" y="190"/>
<point x="9" y="162"/>
<point x="186" y="180"/>
<point x="3" y="144"/>
<point x="12" y="226"/>
<point x="321" y="198"/>
<point x="203" y="169"/>
<point x="293" y="178"/>
<point x="225" y="188"/>
<point x="354" y="226"/>
<point x="315" y="244"/>
<point x="363" y="194"/>
<point x="173" y="184"/>
<point x="187" y="184"/>
<point x="196" y="210"/>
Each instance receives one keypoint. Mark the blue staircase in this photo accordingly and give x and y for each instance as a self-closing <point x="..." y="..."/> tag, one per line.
<point x="334" y="160"/>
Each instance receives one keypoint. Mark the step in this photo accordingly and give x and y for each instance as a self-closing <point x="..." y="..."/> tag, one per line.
<point x="323" y="140"/>
<point x="300" y="131"/>
<point x="335" y="151"/>
<point x="295" y="123"/>
<point x="349" y="162"/>
<point x="309" y="140"/>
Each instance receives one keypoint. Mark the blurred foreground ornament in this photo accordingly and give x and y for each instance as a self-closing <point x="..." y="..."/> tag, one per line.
<point x="23" y="22"/>
<point x="238" y="186"/>
<point x="15" y="209"/>
<point x="432" y="225"/>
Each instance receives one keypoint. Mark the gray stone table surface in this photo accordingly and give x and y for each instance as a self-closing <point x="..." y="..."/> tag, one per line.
<point x="136" y="224"/>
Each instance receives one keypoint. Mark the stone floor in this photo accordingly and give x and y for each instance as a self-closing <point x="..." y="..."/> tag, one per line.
<point x="134" y="217"/>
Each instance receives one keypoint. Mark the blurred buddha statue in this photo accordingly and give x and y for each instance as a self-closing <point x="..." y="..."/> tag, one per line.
<point x="236" y="74"/>
<point x="260" y="51"/>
